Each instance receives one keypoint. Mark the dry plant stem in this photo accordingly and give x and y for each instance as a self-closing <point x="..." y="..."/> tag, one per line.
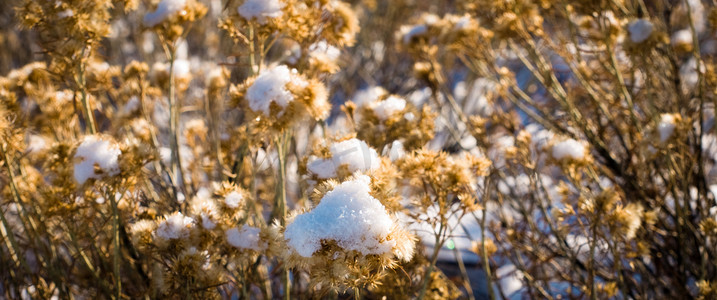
<point x="252" y="51"/>
<point x="484" y="254"/>
<point x="116" y="247"/>
<point x="11" y="244"/>
<point x="357" y="294"/>
<point x="281" y="147"/>
<point x="174" y="109"/>
<point x="213" y="117"/>
<point x="464" y="273"/>
<point x="436" y="249"/>
<point x="31" y="231"/>
<point x="82" y="85"/>
<point x="174" y="124"/>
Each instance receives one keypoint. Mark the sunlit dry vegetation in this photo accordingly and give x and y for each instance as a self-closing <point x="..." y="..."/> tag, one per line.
<point x="300" y="149"/>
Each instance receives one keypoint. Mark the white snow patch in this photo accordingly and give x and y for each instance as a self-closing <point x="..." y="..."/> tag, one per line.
<point x="176" y="226"/>
<point x="394" y="151"/>
<point x="165" y="9"/>
<point x="270" y="86"/>
<point x="233" y="199"/>
<point x="369" y="95"/>
<point x="348" y="215"/>
<point x="261" y="10"/>
<point x="386" y="108"/>
<point x="95" y="151"/>
<point x="681" y="37"/>
<point x="245" y="238"/>
<point x="570" y="149"/>
<point x="354" y="153"/>
<point x="666" y="127"/>
<point x="323" y="49"/>
<point x="640" y="30"/>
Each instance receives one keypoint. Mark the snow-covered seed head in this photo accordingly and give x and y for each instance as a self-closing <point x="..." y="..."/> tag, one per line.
<point x="667" y="125"/>
<point x="640" y="30"/>
<point x="174" y="226"/>
<point x="348" y="215"/>
<point x="353" y="154"/>
<point x="96" y="157"/>
<point x="261" y="10"/>
<point x="570" y="150"/>
<point x="245" y="237"/>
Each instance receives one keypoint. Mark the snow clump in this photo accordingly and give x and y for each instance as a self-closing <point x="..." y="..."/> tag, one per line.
<point x="176" y="226"/>
<point x="261" y="10"/>
<point x="348" y="215"/>
<point x="95" y="150"/>
<point x="386" y="108"/>
<point x="353" y="153"/>
<point x="270" y="86"/>
<point x="640" y="30"/>
<point x="569" y="149"/>
<point x="666" y="127"/>
<point x="165" y="10"/>
<point x="245" y="238"/>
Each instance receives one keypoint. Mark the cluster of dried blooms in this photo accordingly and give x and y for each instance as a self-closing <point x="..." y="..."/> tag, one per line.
<point x="335" y="149"/>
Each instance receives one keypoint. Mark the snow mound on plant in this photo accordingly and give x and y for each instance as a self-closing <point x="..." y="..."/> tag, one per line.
<point x="348" y="215"/>
<point x="165" y="9"/>
<point x="569" y="149"/>
<point x="245" y="238"/>
<point x="95" y="151"/>
<point x="386" y="108"/>
<point x="270" y="86"/>
<point x="353" y="153"/>
<point x="176" y="226"/>
<point x="261" y="10"/>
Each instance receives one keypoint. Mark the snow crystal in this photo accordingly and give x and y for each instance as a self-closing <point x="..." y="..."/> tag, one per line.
<point x="261" y="10"/>
<point x="354" y="153"/>
<point x="666" y="126"/>
<point x="95" y="151"/>
<point x="233" y="199"/>
<point x="640" y="30"/>
<point x="570" y="149"/>
<point x="176" y="226"/>
<point x="270" y="86"/>
<point x="384" y="109"/>
<point x="245" y="238"/>
<point x="165" y="9"/>
<point x="348" y="215"/>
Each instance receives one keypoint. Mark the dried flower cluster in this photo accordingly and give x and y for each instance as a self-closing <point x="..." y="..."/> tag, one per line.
<point x="302" y="149"/>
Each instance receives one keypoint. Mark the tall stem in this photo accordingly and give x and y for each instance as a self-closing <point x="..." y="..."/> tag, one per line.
<point x="116" y="247"/>
<point x="434" y="258"/>
<point x="82" y="85"/>
<point x="484" y="253"/>
<point x="174" y="108"/>
<point x="281" y="147"/>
